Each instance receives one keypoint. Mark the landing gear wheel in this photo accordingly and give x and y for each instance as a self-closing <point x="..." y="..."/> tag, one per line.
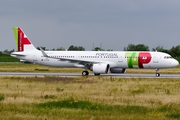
<point x="96" y="74"/>
<point x="85" y="73"/>
<point x="157" y="73"/>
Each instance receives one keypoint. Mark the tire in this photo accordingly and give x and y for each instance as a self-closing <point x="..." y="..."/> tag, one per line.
<point x="96" y="74"/>
<point x="85" y="73"/>
<point x="157" y="74"/>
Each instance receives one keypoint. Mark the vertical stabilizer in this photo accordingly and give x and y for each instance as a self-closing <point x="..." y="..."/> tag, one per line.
<point x="22" y="41"/>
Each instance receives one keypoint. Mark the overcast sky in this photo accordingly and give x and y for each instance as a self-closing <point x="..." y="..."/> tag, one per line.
<point x="112" y="23"/>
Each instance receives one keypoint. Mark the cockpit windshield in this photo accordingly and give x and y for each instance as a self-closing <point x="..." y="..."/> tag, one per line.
<point x="167" y="57"/>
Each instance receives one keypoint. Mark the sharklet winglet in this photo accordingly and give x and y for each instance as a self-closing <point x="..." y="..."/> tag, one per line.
<point x="44" y="54"/>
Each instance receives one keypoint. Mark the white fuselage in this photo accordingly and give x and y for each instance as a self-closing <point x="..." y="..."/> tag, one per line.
<point x="120" y="59"/>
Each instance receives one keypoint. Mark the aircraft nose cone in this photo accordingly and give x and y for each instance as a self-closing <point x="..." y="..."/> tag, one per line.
<point x="176" y="63"/>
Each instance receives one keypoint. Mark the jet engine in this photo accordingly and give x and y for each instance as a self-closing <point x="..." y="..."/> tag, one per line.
<point x="118" y="70"/>
<point x="100" y="68"/>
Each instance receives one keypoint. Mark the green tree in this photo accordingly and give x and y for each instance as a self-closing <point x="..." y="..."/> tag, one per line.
<point x="61" y="49"/>
<point x="97" y="49"/>
<point x="76" y="48"/>
<point x="1" y="53"/>
<point x="160" y="49"/>
<point x="109" y="50"/>
<point x="138" y="47"/>
<point x="175" y="51"/>
<point x="7" y="52"/>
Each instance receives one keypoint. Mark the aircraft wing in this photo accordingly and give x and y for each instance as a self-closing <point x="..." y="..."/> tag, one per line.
<point x="78" y="61"/>
<point x="87" y="63"/>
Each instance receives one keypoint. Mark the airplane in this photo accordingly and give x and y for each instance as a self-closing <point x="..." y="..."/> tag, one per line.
<point x="99" y="62"/>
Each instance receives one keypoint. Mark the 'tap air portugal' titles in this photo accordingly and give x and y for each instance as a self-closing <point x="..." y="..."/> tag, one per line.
<point x="107" y="54"/>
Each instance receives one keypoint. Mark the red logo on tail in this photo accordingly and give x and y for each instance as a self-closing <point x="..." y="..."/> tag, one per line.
<point x="22" y="40"/>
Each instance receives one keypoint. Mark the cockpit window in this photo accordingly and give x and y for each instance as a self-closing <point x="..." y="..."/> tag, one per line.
<point x="167" y="57"/>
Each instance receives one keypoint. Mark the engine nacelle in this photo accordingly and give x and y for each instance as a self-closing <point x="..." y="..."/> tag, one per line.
<point x="118" y="70"/>
<point x="100" y="68"/>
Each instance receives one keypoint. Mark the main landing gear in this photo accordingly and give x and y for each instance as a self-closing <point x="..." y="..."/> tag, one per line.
<point x="157" y="72"/>
<point x="85" y="73"/>
<point x="96" y="74"/>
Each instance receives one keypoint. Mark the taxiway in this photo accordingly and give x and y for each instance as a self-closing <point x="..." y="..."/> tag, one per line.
<point x="79" y="74"/>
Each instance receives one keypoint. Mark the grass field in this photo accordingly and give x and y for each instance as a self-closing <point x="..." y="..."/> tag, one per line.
<point x="95" y="98"/>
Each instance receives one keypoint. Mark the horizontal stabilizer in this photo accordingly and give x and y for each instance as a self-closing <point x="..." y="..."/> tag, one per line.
<point x="17" y="54"/>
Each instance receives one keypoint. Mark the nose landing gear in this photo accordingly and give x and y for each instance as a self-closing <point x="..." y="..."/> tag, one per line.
<point x="157" y="72"/>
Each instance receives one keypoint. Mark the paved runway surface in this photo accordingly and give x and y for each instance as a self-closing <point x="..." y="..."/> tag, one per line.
<point x="79" y="74"/>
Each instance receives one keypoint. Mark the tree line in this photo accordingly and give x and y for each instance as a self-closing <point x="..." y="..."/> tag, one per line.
<point x="173" y="51"/>
<point x="73" y="48"/>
